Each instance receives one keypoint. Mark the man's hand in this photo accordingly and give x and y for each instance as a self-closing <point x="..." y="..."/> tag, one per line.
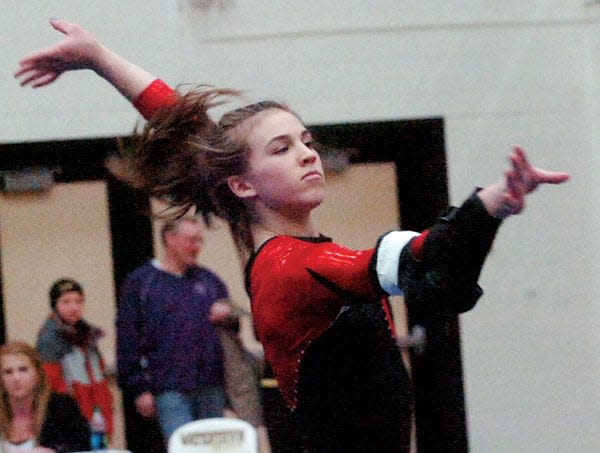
<point x="144" y="404"/>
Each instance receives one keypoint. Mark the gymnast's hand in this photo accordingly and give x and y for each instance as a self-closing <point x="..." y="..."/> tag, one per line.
<point x="78" y="50"/>
<point x="507" y="197"/>
<point x="81" y="50"/>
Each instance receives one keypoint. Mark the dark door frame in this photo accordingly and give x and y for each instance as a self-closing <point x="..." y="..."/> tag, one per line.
<point x="418" y="150"/>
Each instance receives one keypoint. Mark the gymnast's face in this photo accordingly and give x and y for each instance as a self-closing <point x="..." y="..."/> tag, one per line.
<point x="284" y="168"/>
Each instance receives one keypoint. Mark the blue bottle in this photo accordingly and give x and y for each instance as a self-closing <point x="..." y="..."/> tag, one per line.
<point x="98" y="431"/>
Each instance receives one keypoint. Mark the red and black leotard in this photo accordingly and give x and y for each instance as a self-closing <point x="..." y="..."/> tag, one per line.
<point x="324" y="323"/>
<point x="321" y="313"/>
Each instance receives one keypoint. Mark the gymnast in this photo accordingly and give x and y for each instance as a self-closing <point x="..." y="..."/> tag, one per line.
<point x="320" y="309"/>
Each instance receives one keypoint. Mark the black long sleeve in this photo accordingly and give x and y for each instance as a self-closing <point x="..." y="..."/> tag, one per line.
<point x="65" y="429"/>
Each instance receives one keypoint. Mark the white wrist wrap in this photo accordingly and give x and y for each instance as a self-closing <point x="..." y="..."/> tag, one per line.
<point x="388" y="258"/>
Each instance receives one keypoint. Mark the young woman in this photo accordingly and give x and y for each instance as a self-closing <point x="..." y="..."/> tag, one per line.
<point x="320" y="309"/>
<point x="32" y="419"/>
<point x="68" y="345"/>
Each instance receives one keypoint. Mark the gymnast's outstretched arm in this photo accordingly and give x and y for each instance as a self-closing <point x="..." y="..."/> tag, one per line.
<point x="79" y="49"/>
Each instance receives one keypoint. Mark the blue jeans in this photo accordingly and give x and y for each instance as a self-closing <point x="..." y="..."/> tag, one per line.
<point x="178" y="408"/>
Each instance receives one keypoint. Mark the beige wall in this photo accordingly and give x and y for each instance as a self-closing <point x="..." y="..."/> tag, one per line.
<point x="64" y="232"/>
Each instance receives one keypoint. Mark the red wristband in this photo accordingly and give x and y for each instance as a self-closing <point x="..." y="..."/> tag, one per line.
<point x="416" y="245"/>
<point x="155" y="96"/>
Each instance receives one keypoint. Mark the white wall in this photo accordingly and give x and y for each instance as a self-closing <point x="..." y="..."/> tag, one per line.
<point x="499" y="73"/>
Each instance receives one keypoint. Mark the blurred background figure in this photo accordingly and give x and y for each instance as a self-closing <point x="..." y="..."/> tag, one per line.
<point x="32" y="418"/>
<point x="68" y="346"/>
<point x="170" y="355"/>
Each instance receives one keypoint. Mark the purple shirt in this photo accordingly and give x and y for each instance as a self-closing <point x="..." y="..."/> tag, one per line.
<point x="164" y="338"/>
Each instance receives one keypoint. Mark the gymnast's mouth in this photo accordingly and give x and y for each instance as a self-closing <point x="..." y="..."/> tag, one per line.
<point x="312" y="175"/>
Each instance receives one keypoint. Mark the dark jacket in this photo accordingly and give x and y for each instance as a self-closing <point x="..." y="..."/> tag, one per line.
<point x="65" y="429"/>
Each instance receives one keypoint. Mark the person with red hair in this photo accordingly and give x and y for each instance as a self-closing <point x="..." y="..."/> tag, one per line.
<point x="32" y="418"/>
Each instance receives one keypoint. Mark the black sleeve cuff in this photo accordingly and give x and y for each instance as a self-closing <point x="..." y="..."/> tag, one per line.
<point x="451" y="260"/>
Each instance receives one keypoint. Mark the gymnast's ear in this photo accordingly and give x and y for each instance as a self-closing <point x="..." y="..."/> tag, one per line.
<point x="241" y="187"/>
